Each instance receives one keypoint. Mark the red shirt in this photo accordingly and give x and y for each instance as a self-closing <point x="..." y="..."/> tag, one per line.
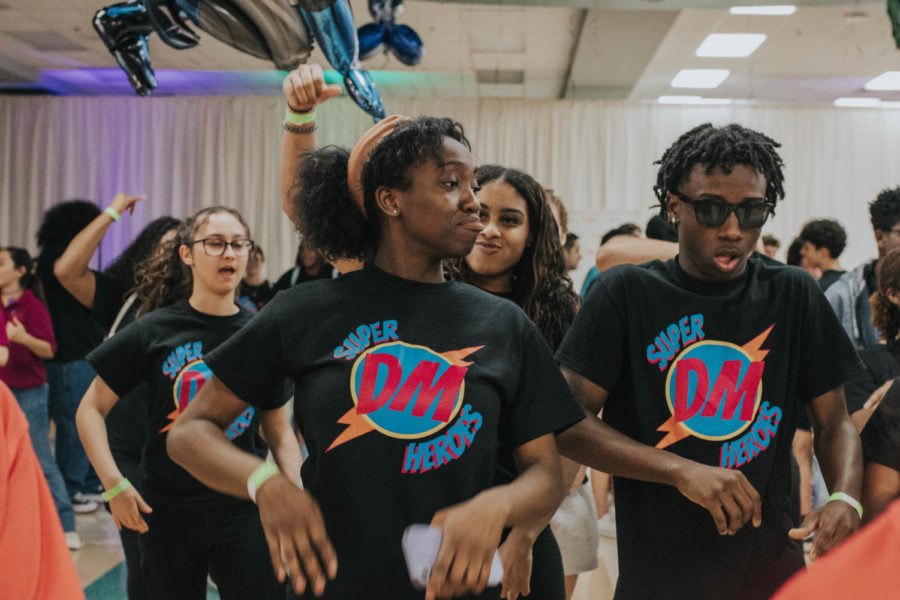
<point x="34" y="561"/>
<point x="25" y="369"/>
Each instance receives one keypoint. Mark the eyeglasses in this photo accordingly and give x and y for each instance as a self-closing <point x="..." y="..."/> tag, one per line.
<point x="217" y="246"/>
<point x="751" y="214"/>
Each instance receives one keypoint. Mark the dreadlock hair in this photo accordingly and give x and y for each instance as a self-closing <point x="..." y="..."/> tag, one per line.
<point x="163" y="278"/>
<point x="329" y="218"/>
<point x="884" y="210"/>
<point x="147" y="241"/>
<point x="885" y="315"/>
<point x="29" y="280"/>
<point x="540" y="285"/>
<point x="825" y="233"/>
<point x="722" y="147"/>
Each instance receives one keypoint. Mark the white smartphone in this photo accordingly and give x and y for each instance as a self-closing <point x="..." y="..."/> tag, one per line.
<point x="421" y="543"/>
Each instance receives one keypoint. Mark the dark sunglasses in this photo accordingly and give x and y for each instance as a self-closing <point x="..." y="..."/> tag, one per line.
<point x="751" y="214"/>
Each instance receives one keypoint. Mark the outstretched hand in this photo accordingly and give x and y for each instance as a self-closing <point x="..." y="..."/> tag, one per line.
<point x="295" y="533"/>
<point x="725" y="493"/>
<point x="305" y="88"/>
<point x="516" y="556"/>
<point x="122" y="202"/>
<point x="834" y="522"/>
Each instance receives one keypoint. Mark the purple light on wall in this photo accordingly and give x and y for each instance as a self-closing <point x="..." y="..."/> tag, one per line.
<point x="114" y="82"/>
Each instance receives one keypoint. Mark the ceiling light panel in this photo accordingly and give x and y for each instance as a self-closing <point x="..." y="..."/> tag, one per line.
<point x="889" y="80"/>
<point x="700" y="78"/>
<point x="781" y="10"/>
<point x="692" y="100"/>
<point x="730" y="45"/>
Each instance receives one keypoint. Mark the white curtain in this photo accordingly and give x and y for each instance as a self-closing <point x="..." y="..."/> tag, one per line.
<point x="189" y="152"/>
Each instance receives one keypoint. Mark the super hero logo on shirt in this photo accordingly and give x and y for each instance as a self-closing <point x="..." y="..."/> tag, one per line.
<point x="407" y="391"/>
<point x="714" y="390"/>
<point x="186" y="368"/>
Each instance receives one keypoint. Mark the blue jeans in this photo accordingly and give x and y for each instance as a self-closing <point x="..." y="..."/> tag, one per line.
<point x="33" y="402"/>
<point x="68" y="383"/>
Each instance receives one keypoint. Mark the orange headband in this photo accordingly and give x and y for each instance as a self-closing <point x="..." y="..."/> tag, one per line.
<point x="360" y="154"/>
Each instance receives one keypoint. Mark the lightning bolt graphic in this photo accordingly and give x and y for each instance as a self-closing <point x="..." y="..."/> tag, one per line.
<point x="357" y="426"/>
<point x="752" y="347"/>
<point x="174" y="417"/>
<point x="674" y="431"/>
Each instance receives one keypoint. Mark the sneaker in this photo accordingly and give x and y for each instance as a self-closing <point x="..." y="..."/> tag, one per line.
<point x="73" y="540"/>
<point x="96" y="496"/>
<point x="81" y="504"/>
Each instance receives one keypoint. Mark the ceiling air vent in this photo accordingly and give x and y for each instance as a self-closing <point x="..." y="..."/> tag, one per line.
<point x="500" y="76"/>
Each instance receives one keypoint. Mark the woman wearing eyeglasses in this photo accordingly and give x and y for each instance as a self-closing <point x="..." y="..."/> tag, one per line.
<point x="701" y="364"/>
<point x="189" y="530"/>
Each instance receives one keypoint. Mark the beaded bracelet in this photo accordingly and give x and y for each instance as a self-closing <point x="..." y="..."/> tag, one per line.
<point x="294" y="129"/>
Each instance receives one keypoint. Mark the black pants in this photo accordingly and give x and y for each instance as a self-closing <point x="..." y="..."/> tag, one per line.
<point x="181" y="547"/>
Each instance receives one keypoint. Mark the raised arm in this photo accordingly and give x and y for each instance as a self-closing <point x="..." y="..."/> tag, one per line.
<point x="839" y="452"/>
<point x="304" y="89"/>
<point x="725" y="493"/>
<point x="72" y="268"/>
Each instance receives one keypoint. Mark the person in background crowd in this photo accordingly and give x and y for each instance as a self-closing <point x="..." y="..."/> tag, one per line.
<point x="795" y="258"/>
<point x="823" y="242"/>
<point x="572" y="252"/>
<point x="255" y="289"/>
<point x="27" y="327"/>
<point x="187" y="299"/>
<point x="771" y="244"/>
<point x="113" y="303"/>
<point x="849" y="295"/>
<point x="77" y="333"/>
<point x="309" y="266"/>
<point x="560" y="213"/>
<point x="657" y="345"/>
<point x="33" y="555"/>
<point x="629" y="229"/>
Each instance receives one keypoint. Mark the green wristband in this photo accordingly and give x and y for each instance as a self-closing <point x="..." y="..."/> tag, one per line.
<point x="299" y="118"/>
<point x="112" y="213"/>
<point x="259" y="476"/>
<point x="848" y="499"/>
<point x="121" y="487"/>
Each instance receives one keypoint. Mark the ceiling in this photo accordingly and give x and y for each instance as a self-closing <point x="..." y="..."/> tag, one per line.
<point x="542" y="49"/>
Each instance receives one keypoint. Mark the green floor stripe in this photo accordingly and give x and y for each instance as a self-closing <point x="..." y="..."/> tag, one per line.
<point x="112" y="586"/>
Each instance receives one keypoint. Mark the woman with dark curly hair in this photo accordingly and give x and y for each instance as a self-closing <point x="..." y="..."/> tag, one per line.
<point x="406" y="383"/>
<point x="518" y="256"/>
<point x="109" y="296"/>
<point x="77" y="333"/>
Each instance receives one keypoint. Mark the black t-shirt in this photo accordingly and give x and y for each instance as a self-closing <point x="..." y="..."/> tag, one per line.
<point x="829" y="277"/>
<point x="77" y="332"/>
<point x="166" y="350"/>
<point x="728" y="361"/>
<point x="881" y="435"/>
<point x="403" y="392"/>
<point x="296" y="275"/>
<point x="881" y="363"/>
<point x="109" y="297"/>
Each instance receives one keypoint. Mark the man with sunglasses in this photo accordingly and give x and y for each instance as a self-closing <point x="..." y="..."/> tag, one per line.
<point x="701" y="364"/>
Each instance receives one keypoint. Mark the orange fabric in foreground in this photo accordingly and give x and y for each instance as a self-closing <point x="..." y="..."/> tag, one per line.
<point x="34" y="560"/>
<point x="865" y="567"/>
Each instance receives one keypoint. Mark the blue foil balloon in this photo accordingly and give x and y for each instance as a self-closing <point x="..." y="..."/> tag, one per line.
<point x="331" y="24"/>
<point x="385" y="34"/>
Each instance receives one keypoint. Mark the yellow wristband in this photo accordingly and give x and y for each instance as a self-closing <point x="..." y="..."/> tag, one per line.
<point x="118" y="489"/>
<point x="113" y="213"/>
<point x="299" y="118"/>
<point x="259" y="476"/>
